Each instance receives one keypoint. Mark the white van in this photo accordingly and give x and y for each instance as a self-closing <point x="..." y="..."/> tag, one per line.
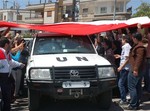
<point x="68" y="67"/>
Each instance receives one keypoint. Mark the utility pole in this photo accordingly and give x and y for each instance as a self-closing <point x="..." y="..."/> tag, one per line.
<point x="6" y="1"/>
<point x="75" y="10"/>
<point x="17" y="12"/>
<point x="58" y="11"/>
<point x="5" y="4"/>
<point x="44" y="11"/>
<point x="14" y="4"/>
<point x="114" y="16"/>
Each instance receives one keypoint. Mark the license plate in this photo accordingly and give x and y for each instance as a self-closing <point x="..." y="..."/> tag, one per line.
<point x="75" y="91"/>
<point x="81" y="84"/>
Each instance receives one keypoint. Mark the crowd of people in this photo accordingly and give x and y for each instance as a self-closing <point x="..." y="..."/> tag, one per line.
<point x="129" y="50"/>
<point x="13" y="61"/>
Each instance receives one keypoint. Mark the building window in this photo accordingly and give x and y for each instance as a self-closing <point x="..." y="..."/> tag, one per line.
<point x="19" y="17"/>
<point x="103" y="9"/>
<point x="4" y="17"/>
<point x="85" y="12"/>
<point x="49" y="14"/>
<point x="119" y="7"/>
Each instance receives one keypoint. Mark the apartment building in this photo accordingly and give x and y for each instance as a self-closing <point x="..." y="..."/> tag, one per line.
<point x="42" y="12"/>
<point x="46" y="13"/>
<point x="14" y="15"/>
<point x="89" y="10"/>
<point x="93" y="10"/>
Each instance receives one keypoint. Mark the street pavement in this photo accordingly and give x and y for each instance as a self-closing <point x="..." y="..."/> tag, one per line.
<point x="21" y="104"/>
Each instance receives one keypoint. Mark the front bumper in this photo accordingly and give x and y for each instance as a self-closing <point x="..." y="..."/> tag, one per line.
<point x="55" y="90"/>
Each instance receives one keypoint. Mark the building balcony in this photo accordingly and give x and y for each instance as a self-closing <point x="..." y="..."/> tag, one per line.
<point x="109" y="16"/>
<point x="35" y="7"/>
<point x="34" y="20"/>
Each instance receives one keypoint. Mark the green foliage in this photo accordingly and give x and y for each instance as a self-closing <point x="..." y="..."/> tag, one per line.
<point x="143" y="10"/>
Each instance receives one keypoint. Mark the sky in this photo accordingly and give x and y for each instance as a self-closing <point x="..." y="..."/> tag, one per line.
<point x="23" y="3"/>
<point x="136" y="3"/>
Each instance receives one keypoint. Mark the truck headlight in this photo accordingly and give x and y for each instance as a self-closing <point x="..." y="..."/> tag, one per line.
<point x="105" y="72"/>
<point x="40" y="74"/>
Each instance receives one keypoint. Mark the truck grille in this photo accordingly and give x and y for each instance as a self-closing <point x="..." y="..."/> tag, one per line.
<point x="82" y="73"/>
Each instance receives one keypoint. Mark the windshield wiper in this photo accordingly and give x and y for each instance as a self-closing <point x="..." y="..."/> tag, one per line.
<point x="73" y="52"/>
<point x="47" y="53"/>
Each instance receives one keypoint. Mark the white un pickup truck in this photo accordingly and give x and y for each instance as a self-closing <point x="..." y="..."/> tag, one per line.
<point x="68" y="67"/>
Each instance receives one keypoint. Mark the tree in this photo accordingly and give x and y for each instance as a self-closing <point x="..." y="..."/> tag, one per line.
<point x="143" y="10"/>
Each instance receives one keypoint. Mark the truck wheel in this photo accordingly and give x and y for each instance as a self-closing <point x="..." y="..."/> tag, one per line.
<point x="104" y="100"/>
<point x="34" y="100"/>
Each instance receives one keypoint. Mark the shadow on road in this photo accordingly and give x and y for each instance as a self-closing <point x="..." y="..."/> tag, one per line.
<point x="145" y="105"/>
<point x="74" y="105"/>
<point x="78" y="105"/>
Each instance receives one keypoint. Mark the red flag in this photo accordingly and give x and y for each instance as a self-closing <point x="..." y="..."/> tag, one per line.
<point x="2" y="55"/>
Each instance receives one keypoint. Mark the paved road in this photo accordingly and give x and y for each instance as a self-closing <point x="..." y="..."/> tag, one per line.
<point x="22" y="105"/>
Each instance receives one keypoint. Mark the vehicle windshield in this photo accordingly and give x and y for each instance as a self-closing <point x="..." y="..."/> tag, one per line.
<point x="63" y="44"/>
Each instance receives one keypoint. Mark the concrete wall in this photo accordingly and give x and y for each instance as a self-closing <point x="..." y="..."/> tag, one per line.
<point x="48" y="20"/>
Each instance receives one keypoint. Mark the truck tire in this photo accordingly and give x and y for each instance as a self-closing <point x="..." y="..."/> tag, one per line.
<point x="1" y="105"/>
<point x="34" y="100"/>
<point x="104" y="100"/>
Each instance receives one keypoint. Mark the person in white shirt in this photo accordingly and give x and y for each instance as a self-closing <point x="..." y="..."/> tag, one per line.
<point x="123" y="69"/>
<point x="6" y="64"/>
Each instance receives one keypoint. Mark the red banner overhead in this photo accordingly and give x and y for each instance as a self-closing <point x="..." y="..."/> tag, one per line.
<point x="82" y="28"/>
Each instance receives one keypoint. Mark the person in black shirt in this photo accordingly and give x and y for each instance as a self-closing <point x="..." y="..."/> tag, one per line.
<point x="23" y="59"/>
